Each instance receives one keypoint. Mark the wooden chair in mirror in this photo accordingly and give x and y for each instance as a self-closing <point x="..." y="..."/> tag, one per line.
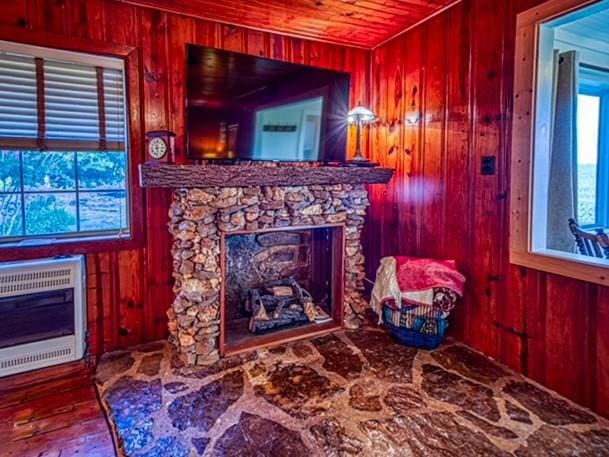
<point x="590" y="244"/>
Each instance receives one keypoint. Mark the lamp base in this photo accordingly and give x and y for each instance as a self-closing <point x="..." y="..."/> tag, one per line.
<point x="360" y="162"/>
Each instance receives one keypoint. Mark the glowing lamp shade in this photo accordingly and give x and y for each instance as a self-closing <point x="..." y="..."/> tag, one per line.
<point x="359" y="116"/>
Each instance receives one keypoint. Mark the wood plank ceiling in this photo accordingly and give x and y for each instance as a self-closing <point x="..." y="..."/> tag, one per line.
<point x="360" y="23"/>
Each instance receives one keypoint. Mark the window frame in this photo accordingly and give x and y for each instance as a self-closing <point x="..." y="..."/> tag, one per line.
<point x="530" y="146"/>
<point x="131" y="64"/>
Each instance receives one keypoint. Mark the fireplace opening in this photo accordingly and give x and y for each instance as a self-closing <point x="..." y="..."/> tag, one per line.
<point x="280" y="285"/>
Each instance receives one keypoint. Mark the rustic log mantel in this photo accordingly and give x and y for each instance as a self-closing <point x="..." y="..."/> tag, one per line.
<point x="188" y="176"/>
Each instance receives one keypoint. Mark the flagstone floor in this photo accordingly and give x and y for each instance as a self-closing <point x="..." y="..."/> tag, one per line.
<point x="354" y="393"/>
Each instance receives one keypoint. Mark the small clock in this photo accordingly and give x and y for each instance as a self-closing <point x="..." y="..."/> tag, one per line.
<point x="161" y="145"/>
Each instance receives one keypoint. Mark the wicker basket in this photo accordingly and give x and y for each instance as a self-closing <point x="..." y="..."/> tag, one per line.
<point x="413" y="330"/>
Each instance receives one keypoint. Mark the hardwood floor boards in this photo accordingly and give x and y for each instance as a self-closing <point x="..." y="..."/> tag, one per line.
<point x="51" y="413"/>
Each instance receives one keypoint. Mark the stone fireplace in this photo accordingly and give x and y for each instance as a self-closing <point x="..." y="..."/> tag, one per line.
<point x="310" y="233"/>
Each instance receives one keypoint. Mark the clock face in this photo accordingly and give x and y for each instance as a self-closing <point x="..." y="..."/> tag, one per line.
<point x="157" y="148"/>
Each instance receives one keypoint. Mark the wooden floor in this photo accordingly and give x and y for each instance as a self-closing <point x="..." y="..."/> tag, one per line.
<point x="53" y="413"/>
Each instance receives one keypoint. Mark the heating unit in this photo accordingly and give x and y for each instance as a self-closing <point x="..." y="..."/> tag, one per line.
<point x="42" y="313"/>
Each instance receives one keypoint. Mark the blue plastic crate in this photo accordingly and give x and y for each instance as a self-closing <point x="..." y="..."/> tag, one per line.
<point x="418" y="333"/>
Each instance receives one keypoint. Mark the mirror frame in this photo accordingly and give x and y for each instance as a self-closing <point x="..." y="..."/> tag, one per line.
<point x="530" y="149"/>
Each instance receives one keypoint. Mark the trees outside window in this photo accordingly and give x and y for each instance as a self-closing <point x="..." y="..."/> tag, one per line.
<point x="46" y="193"/>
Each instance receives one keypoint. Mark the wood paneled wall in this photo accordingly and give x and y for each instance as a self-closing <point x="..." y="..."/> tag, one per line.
<point x="457" y="71"/>
<point x="129" y="291"/>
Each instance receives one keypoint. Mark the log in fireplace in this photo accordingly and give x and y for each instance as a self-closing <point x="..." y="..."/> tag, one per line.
<point x="239" y="228"/>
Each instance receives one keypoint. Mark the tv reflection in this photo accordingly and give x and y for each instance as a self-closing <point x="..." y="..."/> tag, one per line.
<point x="285" y="131"/>
<point x="290" y="130"/>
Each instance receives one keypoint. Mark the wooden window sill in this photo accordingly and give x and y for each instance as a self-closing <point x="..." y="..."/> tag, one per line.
<point x="590" y="269"/>
<point x="67" y="246"/>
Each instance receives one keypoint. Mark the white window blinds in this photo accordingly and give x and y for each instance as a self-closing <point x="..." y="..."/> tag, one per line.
<point x="58" y="104"/>
<point x="18" y="97"/>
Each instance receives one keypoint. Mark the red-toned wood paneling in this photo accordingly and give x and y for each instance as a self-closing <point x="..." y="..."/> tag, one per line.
<point x="363" y="23"/>
<point x="129" y="289"/>
<point x="457" y="70"/>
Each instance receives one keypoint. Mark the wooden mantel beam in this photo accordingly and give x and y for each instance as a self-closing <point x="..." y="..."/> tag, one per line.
<point x="185" y="176"/>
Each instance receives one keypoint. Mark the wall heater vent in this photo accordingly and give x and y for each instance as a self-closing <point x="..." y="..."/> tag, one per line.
<point x="34" y="358"/>
<point x="42" y="313"/>
<point x="34" y="281"/>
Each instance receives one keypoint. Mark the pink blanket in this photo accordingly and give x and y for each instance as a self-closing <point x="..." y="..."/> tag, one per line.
<point x="415" y="274"/>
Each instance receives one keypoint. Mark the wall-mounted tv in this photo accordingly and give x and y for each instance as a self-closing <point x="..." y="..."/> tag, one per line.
<point x="244" y="107"/>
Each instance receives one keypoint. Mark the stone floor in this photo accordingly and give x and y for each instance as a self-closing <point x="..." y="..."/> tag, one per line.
<point x="351" y="393"/>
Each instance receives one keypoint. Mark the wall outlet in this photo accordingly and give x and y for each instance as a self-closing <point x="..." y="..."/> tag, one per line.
<point x="487" y="165"/>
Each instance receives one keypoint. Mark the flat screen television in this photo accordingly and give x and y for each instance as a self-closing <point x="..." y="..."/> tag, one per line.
<point x="244" y="107"/>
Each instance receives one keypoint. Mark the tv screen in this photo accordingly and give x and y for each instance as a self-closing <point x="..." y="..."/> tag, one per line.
<point x="246" y="107"/>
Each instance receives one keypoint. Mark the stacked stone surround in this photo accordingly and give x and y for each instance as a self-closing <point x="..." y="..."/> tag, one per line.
<point x="198" y="218"/>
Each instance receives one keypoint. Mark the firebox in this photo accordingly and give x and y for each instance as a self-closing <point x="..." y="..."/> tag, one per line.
<point x="280" y="284"/>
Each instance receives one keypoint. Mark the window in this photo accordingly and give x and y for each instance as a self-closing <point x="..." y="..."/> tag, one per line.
<point x="588" y="125"/>
<point x="63" y="148"/>
<point x="593" y="147"/>
<point x="559" y="200"/>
